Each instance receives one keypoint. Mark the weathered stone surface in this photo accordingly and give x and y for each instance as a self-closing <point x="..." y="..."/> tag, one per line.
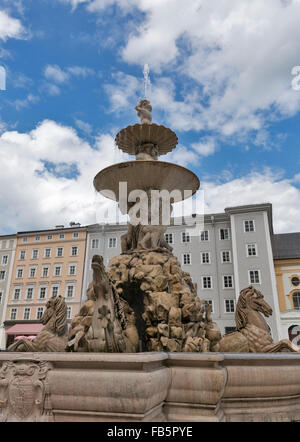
<point x="172" y="310"/>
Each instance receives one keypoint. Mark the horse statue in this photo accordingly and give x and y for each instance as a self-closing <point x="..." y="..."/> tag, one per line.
<point x="105" y="322"/>
<point x="54" y="335"/>
<point x="252" y="333"/>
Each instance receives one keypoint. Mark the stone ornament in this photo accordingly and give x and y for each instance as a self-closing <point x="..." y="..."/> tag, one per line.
<point x="105" y="322"/>
<point x="54" y="335"/>
<point x="252" y="333"/>
<point x="24" y="392"/>
<point x="144" y="110"/>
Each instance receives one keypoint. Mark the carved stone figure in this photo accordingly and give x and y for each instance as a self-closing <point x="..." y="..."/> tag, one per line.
<point x="144" y="109"/>
<point x="24" y="392"/>
<point x="54" y="335"/>
<point x="105" y="323"/>
<point x="252" y="333"/>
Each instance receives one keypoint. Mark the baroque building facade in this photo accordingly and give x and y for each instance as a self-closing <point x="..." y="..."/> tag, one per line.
<point x="46" y="263"/>
<point x="286" y="249"/>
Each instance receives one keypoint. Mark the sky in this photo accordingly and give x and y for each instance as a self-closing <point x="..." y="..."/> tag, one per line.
<point x="222" y="77"/>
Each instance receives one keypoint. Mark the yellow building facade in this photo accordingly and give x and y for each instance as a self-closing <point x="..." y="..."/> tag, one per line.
<point x="286" y="250"/>
<point x="47" y="263"/>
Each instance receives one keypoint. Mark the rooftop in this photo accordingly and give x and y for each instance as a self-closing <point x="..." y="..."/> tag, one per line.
<point x="286" y="245"/>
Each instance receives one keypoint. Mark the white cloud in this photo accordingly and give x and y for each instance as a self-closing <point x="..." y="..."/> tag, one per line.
<point x="20" y="104"/>
<point x="41" y="197"/>
<point x="205" y="148"/>
<point x="37" y="197"/>
<point x="10" y="27"/>
<point x="256" y="188"/>
<point x="233" y="60"/>
<point x="56" y="74"/>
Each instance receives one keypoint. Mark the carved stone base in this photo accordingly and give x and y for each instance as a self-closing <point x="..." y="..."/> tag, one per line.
<point x="24" y="391"/>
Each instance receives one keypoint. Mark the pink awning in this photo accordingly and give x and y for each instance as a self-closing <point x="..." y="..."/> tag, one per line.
<point x="24" y="329"/>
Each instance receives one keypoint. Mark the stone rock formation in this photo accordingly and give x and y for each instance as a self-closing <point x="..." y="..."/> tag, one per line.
<point x="54" y="335"/>
<point x="169" y="314"/>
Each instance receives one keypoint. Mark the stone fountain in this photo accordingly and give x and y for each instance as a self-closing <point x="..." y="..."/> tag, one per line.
<point x="142" y="347"/>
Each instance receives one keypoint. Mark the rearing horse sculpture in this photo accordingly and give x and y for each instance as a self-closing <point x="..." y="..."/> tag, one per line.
<point x="54" y="335"/>
<point x="252" y="333"/>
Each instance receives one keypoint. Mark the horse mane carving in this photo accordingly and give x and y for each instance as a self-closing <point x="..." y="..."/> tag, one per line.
<point x="241" y="313"/>
<point x="53" y="336"/>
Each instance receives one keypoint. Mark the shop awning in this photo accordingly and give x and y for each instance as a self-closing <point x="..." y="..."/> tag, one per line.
<point x="24" y="329"/>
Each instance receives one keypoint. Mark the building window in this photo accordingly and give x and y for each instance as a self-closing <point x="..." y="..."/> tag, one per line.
<point x="39" y="312"/>
<point x="57" y="270"/>
<point x="59" y="252"/>
<point x="49" y="237"/>
<point x="43" y="293"/>
<point x="29" y="294"/>
<point x="206" y="282"/>
<point x="35" y="253"/>
<point x="229" y="306"/>
<point x="204" y="236"/>
<point x="251" y="250"/>
<point x="55" y="290"/>
<point x="26" y="314"/>
<point x="95" y="243"/>
<point x="37" y="238"/>
<point x="32" y="272"/>
<point x="296" y="300"/>
<point x="209" y="302"/>
<point x="23" y="254"/>
<point x="47" y="253"/>
<point x="224" y="234"/>
<point x="249" y="226"/>
<point x="20" y="272"/>
<point x="254" y="276"/>
<point x="75" y="235"/>
<point x="226" y="256"/>
<point x="69" y="312"/>
<point x="13" y="314"/>
<point x="186" y="259"/>
<point x="45" y="273"/>
<point x="205" y="258"/>
<point x="61" y="236"/>
<point x="74" y="251"/>
<point x="228" y="282"/>
<point x="185" y="237"/>
<point x="169" y="238"/>
<point x="2" y="275"/>
<point x="1" y="296"/>
<point x="17" y="293"/>
<point x="112" y="243"/>
<point x="295" y="281"/>
<point x="70" y="291"/>
<point x="4" y="260"/>
<point x="72" y="269"/>
<point x="24" y="239"/>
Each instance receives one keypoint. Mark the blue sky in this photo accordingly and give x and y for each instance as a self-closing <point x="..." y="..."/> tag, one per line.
<point x="220" y="78"/>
